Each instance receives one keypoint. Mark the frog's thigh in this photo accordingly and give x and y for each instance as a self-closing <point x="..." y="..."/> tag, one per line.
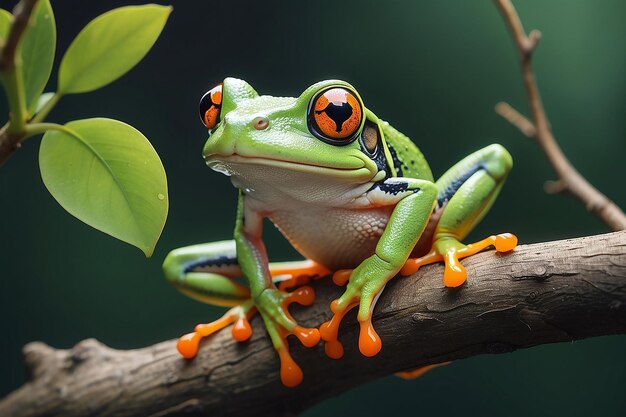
<point x="469" y="188"/>
<point x="205" y="272"/>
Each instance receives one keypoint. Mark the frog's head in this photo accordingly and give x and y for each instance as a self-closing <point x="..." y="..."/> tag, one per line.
<point x="324" y="138"/>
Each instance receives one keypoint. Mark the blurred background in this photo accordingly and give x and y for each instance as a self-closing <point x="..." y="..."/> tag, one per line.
<point x="434" y="70"/>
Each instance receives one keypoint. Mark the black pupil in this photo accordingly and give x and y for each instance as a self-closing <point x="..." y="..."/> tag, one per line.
<point x="338" y="113"/>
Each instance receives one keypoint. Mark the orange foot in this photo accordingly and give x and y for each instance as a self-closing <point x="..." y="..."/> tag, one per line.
<point x="450" y="251"/>
<point x="369" y="341"/>
<point x="290" y="373"/>
<point x="277" y="327"/>
<point x="188" y="344"/>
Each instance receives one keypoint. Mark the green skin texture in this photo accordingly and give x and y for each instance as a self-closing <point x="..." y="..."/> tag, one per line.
<point x="291" y="141"/>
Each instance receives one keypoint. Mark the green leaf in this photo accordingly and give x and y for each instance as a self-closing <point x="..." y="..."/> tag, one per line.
<point x="109" y="46"/>
<point x="37" y="49"/>
<point x="6" y="19"/>
<point x="107" y="174"/>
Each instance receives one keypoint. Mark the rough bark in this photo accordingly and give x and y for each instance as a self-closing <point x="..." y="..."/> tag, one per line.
<point x="540" y="293"/>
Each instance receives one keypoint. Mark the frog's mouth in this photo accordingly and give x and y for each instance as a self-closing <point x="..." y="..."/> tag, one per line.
<point x="228" y="164"/>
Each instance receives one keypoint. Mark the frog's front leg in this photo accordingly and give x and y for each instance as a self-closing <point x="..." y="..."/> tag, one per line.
<point x="271" y="302"/>
<point x="466" y="192"/>
<point x="414" y="200"/>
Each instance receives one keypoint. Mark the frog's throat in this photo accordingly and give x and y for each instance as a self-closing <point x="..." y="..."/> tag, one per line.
<point x="362" y="173"/>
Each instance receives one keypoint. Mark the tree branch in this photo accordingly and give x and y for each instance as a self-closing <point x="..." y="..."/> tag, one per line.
<point x="14" y="131"/>
<point x="570" y="180"/>
<point x="540" y="293"/>
<point x="21" y="16"/>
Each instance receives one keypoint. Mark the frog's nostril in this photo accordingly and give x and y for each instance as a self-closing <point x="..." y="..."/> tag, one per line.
<point x="260" y="123"/>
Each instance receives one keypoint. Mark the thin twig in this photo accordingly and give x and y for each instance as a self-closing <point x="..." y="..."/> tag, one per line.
<point x="516" y="119"/>
<point x="14" y="131"/>
<point x="21" y="16"/>
<point x="569" y="179"/>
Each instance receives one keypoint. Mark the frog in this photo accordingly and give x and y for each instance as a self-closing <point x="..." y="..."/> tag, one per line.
<point x="354" y="196"/>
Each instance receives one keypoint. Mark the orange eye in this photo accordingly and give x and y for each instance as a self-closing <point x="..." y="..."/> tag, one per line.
<point x="210" y="106"/>
<point x="335" y="115"/>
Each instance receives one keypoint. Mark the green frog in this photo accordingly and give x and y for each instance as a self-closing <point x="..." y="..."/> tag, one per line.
<point x="352" y="194"/>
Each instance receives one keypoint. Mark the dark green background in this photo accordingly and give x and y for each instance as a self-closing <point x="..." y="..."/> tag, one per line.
<point x="434" y="69"/>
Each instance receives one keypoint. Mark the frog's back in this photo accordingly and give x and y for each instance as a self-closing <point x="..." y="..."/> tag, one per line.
<point x="408" y="160"/>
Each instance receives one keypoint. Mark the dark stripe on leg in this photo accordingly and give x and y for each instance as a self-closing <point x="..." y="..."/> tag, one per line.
<point x="209" y="262"/>
<point x="447" y="193"/>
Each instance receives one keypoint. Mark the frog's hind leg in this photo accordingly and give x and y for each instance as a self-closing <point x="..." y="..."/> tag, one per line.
<point x="466" y="193"/>
<point x="208" y="273"/>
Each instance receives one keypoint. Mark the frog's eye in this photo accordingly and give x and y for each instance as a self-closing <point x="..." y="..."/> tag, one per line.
<point x="210" y="106"/>
<point x="335" y="115"/>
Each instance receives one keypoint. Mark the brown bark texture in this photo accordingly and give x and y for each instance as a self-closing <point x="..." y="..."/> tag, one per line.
<point x="539" y="293"/>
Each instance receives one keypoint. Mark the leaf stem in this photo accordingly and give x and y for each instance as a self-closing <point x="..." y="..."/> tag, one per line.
<point x="39" y="128"/>
<point x="14" y="87"/>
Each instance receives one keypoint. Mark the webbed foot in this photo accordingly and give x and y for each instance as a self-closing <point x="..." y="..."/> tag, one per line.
<point x="365" y="284"/>
<point x="273" y="305"/>
<point x="451" y="250"/>
<point x="188" y="344"/>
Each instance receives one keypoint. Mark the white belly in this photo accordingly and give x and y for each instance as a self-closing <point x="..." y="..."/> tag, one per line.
<point x="336" y="238"/>
<point x="325" y="217"/>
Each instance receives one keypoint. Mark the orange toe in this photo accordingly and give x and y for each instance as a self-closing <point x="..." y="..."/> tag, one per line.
<point x="329" y="331"/>
<point x="290" y="373"/>
<point x="369" y="341"/>
<point x="413" y="264"/>
<point x="308" y="337"/>
<point x="188" y="345"/>
<point x="242" y="330"/>
<point x="342" y="276"/>
<point x="505" y="242"/>
<point x="210" y="328"/>
<point x="304" y="296"/>
<point x="454" y="274"/>
<point x="333" y="349"/>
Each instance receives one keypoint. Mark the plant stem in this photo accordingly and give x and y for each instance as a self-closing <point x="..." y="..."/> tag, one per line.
<point x="39" y="128"/>
<point x="11" y="78"/>
<point x="10" y="67"/>
<point x="14" y="88"/>
<point x="21" y="16"/>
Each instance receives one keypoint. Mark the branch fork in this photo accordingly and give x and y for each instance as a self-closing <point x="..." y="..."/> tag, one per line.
<point x="569" y="180"/>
